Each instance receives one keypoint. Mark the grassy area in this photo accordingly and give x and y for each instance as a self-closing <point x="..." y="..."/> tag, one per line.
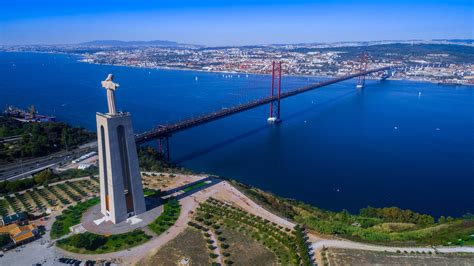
<point x="69" y="217"/>
<point x="74" y="173"/>
<point x="288" y="245"/>
<point x="151" y="192"/>
<point x="246" y="250"/>
<point x="390" y="226"/>
<point x="197" y="185"/>
<point x="188" y="244"/>
<point x="169" y="216"/>
<point x="89" y="243"/>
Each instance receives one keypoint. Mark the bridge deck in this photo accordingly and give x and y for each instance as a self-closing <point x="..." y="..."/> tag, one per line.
<point x="164" y="131"/>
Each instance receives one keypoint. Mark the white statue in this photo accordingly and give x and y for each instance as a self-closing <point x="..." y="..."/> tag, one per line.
<point x="110" y="86"/>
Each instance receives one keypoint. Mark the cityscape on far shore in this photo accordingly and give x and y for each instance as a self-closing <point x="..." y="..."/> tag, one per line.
<point x="438" y="61"/>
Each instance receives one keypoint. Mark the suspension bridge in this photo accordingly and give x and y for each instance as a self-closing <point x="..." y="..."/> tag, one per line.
<point x="162" y="133"/>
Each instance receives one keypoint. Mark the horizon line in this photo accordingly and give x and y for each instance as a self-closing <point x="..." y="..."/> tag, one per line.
<point x="244" y="45"/>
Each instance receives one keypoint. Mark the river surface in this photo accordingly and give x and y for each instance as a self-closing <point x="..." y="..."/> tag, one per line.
<point x="395" y="143"/>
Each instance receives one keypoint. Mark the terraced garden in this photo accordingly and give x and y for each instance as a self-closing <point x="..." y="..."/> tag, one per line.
<point x="289" y="245"/>
<point x="36" y="200"/>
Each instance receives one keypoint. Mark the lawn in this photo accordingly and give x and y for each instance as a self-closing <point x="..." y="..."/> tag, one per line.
<point x="69" y="217"/>
<point x="169" y="216"/>
<point x="197" y="185"/>
<point x="89" y="243"/>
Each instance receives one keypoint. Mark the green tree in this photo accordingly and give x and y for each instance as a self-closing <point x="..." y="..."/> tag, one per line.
<point x="43" y="176"/>
<point x="4" y="239"/>
<point x="441" y="220"/>
<point x="87" y="241"/>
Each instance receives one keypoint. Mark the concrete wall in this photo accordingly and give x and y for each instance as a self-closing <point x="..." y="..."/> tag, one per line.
<point x="111" y="172"/>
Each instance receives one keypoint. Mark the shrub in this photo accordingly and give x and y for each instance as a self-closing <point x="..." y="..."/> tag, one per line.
<point x="4" y="239"/>
<point x="87" y="241"/>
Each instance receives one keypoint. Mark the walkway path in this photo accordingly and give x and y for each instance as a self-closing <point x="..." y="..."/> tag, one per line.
<point x="218" y="249"/>
<point x="346" y="244"/>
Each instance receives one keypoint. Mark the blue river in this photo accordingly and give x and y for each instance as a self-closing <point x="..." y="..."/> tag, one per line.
<point x="394" y="143"/>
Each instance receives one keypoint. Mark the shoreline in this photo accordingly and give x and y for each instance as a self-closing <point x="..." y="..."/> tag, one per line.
<point x="264" y="74"/>
<point x="82" y="57"/>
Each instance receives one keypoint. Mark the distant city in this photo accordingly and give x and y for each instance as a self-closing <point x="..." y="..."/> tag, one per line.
<point x="438" y="61"/>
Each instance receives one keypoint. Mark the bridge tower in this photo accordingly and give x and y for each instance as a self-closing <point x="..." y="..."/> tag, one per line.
<point x="164" y="147"/>
<point x="364" y="59"/>
<point x="275" y="103"/>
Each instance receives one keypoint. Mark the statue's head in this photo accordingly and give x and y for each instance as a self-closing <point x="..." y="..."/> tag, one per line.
<point x="110" y="77"/>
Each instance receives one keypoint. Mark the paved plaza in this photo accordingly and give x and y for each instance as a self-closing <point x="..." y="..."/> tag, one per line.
<point x="95" y="222"/>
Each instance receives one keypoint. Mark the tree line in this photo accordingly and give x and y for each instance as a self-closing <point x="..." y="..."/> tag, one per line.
<point x="395" y="214"/>
<point x="39" y="139"/>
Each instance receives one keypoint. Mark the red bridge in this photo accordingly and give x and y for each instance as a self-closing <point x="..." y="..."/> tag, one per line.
<point x="162" y="133"/>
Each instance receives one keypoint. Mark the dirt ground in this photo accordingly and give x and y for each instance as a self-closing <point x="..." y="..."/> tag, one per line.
<point x="246" y="251"/>
<point x="360" y="257"/>
<point x="165" y="181"/>
<point x="188" y="244"/>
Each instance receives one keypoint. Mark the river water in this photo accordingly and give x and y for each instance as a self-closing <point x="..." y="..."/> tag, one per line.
<point x="395" y="143"/>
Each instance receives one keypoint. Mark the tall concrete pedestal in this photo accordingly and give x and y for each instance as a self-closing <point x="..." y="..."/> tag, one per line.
<point x="121" y="191"/>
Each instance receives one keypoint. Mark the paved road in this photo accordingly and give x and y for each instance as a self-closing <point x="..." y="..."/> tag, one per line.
<point x="26" y="168"/>
<point x="346" y="244"/>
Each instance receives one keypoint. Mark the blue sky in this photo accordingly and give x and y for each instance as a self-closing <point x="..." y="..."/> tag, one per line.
<point x="232" y="23"/>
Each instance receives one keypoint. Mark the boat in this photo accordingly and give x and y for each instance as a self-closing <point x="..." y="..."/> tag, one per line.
<point x="385" y="76"/>
<point x="27" y="116"/>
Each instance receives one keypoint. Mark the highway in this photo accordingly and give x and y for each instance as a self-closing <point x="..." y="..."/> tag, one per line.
<point x="25" y="168"/>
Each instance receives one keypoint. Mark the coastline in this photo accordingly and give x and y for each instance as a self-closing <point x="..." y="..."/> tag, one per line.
<point x="264" y="74"/>
<point x="82" y="57"/>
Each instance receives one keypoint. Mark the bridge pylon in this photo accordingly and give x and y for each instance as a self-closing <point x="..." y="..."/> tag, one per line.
<point x="364" y="60"/>
<point x="275" y="103"/>
<point x="164" y="148"/>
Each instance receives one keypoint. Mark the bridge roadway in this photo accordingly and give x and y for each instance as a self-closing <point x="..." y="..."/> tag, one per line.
<point x="166" y="131"/>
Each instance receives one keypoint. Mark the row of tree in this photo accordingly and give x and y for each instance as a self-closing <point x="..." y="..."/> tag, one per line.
<point x="42" y="178"/>
<point x="395" y="214"/>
